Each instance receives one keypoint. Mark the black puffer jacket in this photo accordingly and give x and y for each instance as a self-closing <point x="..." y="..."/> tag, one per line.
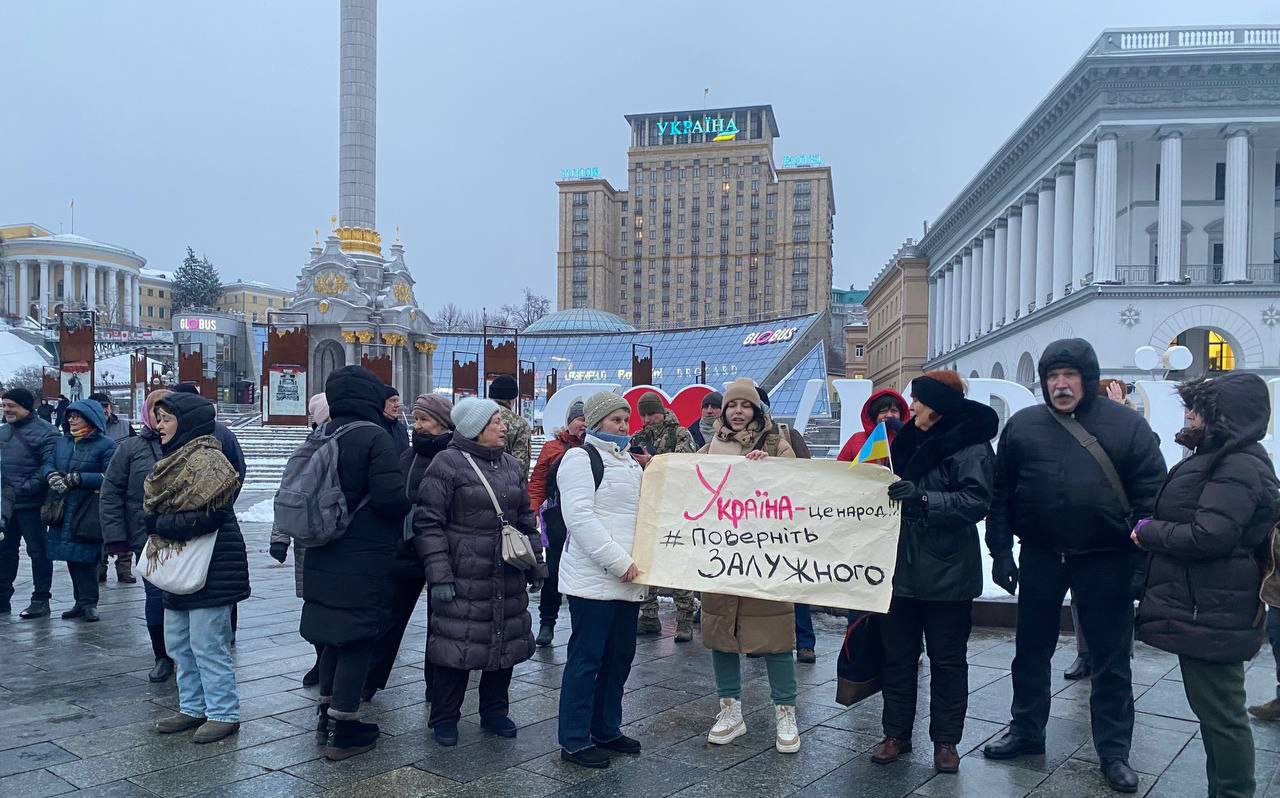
<point x="120" y="502"/>
<point x="939" y="558"/>
<point x="1214" y="511"/>
<point x="487" y="625"/>
<point x="228" y="579"/>
<point x="1050" y="492"/>
<point x="413" y="464"/>
<point x="346" y="584"/>
<point x="25" y="446"/>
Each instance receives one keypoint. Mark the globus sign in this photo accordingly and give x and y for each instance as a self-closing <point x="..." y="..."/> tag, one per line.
<point x="770" y="336"/>
<point x="725" y="129"/>
<point x="201" y="325"/>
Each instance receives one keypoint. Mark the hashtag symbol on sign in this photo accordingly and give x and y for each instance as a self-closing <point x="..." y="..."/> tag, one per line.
<point x="672" y="539"/>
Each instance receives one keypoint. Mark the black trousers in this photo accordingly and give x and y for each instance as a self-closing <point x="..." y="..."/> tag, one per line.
<point x="945" y="626"/>
<point x="342" y="672"/>
<point x="449" y="686"/>
<point x="405" y="593"/>
<point x="1101" y="586"/>
<point x="24" y="525"/>
<point x="84" y="583"/>
<point x="549" y="601"/>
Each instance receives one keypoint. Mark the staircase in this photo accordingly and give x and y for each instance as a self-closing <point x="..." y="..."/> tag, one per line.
<point x="266" y="450"/>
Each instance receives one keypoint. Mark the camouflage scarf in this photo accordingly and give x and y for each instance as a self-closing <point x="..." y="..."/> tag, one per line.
<point x="195" y="477"/>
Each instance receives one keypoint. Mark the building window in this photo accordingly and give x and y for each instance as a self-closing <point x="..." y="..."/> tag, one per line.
<point x="162" y="311"/>
<point x="161" y="293"/>
<point x="1157" y="182"/>
<point x="1220" y="181"/>
<point x="1221" y="358"/>
<point x="858" y="350"/>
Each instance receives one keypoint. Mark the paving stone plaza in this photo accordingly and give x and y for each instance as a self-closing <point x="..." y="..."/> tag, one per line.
<point x="76" y="714"/>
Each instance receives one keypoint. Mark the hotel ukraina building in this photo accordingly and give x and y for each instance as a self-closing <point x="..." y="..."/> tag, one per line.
<point x="1135" y="206"/>
<point x="712" y="229"/>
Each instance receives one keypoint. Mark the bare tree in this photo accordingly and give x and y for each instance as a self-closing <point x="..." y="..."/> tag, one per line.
<point x="533" y="307"/>
<point x="29" y="377"/>
<point x="450" y="317"/>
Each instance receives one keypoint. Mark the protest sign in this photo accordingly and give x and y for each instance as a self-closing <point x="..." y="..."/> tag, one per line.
<point x="805" y="531"/>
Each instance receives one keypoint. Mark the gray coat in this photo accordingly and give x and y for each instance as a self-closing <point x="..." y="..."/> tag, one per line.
<point x="299" y="555"/>
<point x="120" y="503"/>
<point x="24" y="447"/>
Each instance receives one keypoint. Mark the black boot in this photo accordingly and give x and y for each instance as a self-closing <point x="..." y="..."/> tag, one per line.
<point x="162" y="671"/>
<point x="1011" y="746"/>
<point x="1078" y="670"/>
<point x="350" y="737"/>
<point x="324" y="726"/>
<point x="1120" y="777"/>
<point x="545" y="633"/>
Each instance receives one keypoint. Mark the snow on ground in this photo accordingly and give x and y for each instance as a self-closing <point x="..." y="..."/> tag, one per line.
<point x="16" y="353"/>
<point x="263" y="512"/>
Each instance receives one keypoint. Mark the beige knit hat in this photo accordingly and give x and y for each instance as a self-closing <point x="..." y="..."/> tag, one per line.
<point x="599" y="405"/>
<point x="743" y="388"/>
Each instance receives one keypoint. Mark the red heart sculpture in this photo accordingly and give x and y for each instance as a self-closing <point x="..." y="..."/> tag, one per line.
<point x="687" y="404"/>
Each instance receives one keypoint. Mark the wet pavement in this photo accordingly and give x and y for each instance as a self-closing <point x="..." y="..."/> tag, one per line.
<point x="76" y="715"/>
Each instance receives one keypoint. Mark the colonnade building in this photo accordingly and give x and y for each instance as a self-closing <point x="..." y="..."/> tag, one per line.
<point x="45" y="273"/>
<point x="1136" y="205"/>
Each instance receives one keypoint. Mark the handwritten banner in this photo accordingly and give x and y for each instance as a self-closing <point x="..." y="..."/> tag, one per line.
<point x="805" y="531"/>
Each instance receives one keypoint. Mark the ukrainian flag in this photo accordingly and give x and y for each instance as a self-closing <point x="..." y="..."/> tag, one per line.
<point x="876" y="447"/>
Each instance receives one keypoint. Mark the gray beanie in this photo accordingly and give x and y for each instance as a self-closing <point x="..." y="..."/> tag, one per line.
<point x="600" y="405"/>
<point x="576" y="410"/>
<point x="471" y="415"/>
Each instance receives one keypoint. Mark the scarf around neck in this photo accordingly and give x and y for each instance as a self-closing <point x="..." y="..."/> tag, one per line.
<point x="707" y="426"/>
<point x="197" y="476"/>
<point x="746" y="437"/>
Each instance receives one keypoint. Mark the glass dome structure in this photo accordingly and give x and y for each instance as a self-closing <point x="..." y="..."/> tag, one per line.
<point x="579" y="320"/>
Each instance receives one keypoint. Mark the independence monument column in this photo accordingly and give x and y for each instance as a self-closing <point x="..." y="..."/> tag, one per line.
<point x="357" y="113"/>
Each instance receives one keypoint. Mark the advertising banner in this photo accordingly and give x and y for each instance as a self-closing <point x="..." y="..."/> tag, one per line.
<point x="804" y="531"/>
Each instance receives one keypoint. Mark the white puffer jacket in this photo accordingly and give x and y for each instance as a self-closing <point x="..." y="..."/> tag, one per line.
<point x="601" y="523"/>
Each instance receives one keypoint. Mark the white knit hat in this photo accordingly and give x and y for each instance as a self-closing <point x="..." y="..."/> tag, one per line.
<point x="471" y="415"/>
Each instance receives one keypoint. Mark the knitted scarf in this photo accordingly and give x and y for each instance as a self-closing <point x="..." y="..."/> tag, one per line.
<point x="749" y="436"/>
<point x="195" y="477"/>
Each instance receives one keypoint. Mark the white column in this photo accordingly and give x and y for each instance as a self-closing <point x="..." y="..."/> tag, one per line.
<point x="966" y="298"/>
<point x="1235" y="228"/>
<point x="957" y="301"/>
<point x="135" y="314"/>
<point x="986" y="302"/>
<point x="1027" y="254"/>
<point x="91" y="286"/>
<point x="933" y="317"/>
<point x="944" y="309"/>
<point x="113" y="296"/>
<point x="1063" y="202"/>
<point x="1169" y="254"/>
<point x="1082" y="219"/>
<point x="42" y="290"/>
<point x="24" y="289"/>
<point x="1044" y="245"/>
<point x="71" y="283"/>
<point x="10" y="293"/>
<point x="1000" y="281"/>
<point x="1104" y="211"/>
<point x="1013" y="264"/>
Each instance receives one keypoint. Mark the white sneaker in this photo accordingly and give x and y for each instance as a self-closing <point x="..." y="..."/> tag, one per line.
<point x="729" y="724"/>
<point x="788" y="741"/>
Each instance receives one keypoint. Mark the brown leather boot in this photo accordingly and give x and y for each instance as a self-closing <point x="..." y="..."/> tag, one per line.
<point x="945" y="758"/>
<point x="889" y="749"/>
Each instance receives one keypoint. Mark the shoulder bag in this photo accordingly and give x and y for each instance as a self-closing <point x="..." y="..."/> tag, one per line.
<point x="179" y="567"/>
<point x="1095" y="450"/>
<point x="516" y="549"/>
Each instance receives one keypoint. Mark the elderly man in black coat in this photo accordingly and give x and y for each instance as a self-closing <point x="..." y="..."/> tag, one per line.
<point x="1053" y="490"/>
<point x="346" y="584"/>
<point x="26" y="442"/>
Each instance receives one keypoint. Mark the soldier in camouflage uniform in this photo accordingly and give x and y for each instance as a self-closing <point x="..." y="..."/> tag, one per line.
<point x="503" y="390"/>
<point x="662" y="434"/>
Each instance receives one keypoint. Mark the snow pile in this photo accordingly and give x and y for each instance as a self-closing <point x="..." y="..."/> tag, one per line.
<point x="261" y="513"/>
<point x="16" y="354"/>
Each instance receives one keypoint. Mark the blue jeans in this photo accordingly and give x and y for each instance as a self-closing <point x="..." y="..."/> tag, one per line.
<point x="601" y="648"/>
<point x="1273" y="637"/>
<point x="805" y="637"/>
<point x="199" y="641"/>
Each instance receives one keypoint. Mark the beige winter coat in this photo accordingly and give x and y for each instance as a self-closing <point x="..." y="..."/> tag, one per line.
<point x="739" y="625"/>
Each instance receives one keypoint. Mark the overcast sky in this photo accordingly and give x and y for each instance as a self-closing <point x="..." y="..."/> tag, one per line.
<point x="215" y="124"/>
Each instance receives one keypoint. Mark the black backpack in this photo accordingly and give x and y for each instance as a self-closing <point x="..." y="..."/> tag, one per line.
<point x="553" y="487"/>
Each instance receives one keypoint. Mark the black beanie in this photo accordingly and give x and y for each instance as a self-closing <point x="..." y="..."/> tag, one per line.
<point x="21" y="396"/>
<point x="938" y="396"/>
<point x="713" y="398"/>
<point x="503" y="387"/>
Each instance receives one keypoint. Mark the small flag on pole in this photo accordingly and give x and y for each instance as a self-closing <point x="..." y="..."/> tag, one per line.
<point x="876" y="446"/>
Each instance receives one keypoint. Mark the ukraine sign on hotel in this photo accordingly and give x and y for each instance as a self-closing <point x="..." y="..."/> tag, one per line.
<point x="725" y="129"/>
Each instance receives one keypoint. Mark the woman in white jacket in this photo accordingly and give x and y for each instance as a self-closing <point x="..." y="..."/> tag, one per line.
<point x="597" y="575"/>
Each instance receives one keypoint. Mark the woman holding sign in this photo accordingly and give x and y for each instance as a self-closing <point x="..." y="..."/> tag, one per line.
<point x="599" y="484"/>
<point x="732" y="626"/>
<point x="944" y="459"/>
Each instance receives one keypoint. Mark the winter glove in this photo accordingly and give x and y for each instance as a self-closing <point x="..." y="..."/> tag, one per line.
<point x="537" y="576"/>
<point x="443" y="593"/>
<point x="57" y="482"/>
<point x="120" y="548"/>
<point x="1005" y="573"/>
<point x="279" y="551"/>
<point x="905" y="490"/>
<point x="73" y="479"/>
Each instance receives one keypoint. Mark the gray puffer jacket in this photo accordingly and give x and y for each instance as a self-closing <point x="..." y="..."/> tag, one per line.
<point x="120" y="502"/>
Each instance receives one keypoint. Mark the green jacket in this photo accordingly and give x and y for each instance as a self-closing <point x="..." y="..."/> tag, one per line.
<point x="518" y="440"/>
<point x="665" y="437"/>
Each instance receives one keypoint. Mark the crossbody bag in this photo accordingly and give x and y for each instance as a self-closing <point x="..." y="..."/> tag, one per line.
<point x="516" y="549"/>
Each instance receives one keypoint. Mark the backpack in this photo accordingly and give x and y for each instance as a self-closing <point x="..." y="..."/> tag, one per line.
<point x="597" y="474"/>
<point x="310" y="506"/>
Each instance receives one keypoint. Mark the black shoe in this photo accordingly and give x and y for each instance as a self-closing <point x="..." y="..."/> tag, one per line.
<point x="1120" y="777"/>
<point x="545" y="633"/>
<point x="162" y="671"/>
<point x="806" y="656"/>
<point x="366" y="694"/>
<point x="622" y="745"/>
<point x="90" y="614"/>
<point x="446" y="734"/>
<point x="1078" y="670"/>
<point x="36" y="609"/>
<point x="73" y="613"/>
<point x="1010" y="747"/>
<point x="500" y="725"/>
<point x="591" y="757"/>
<point x="350" y="737"/>
<point x="324" y="726"/>
<point x="312" y="677"/>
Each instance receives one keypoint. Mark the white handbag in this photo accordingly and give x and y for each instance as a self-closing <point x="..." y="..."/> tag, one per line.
<point x="180" y="568"/>
<point x="516" y="549"/>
